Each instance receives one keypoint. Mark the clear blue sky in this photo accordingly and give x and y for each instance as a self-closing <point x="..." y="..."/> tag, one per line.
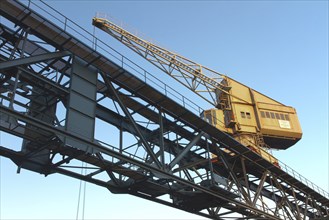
<point x="279" y="48"/>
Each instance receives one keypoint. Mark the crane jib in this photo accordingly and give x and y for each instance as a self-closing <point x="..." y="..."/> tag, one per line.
<point x="173" y="60"/>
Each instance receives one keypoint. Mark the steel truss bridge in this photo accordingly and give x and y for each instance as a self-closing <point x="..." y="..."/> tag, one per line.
<point x="57" y="81"/>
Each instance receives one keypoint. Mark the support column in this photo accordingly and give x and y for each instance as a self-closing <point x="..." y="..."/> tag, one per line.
<point x="161" y="141"/>
<point x="80" y="118"/>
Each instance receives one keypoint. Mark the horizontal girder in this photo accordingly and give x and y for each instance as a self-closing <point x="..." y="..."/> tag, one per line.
<point x="164" y="130"/>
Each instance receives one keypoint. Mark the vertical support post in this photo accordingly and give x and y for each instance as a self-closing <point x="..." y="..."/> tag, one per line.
<point x="81" y="114"/>
<point x="306" y="206"/>
<point x="13" y="94"/>
<point x="120" y="146"/>
<point x="161" y="141"/>
<point x="296" y="202"/>
<point x="120" y="140"/>
<point x="23" y="37"/>
<point x="245" y="175"/>
<point x="211" y="168"/>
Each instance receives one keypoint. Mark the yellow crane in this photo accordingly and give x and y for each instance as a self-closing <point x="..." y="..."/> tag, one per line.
<point x="252" y="118"/>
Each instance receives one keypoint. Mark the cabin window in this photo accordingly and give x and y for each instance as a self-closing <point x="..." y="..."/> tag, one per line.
<point x="262" y="114"/>
<point x="248" y="115"/>
<point x="267" y="115"/>
<point x="272" y="115"/>
<point x="209" y="118"/>
<point x="243" y="115"/>
<point x="277" y="116"/>
<point x="214" y="117"/>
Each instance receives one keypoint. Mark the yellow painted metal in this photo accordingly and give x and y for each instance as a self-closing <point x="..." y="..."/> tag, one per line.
<point x="259" y="115"/>
<point x="249" y="116"/>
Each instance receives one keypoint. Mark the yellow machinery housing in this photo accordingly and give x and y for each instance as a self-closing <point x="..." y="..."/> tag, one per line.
<point x="253" y="118"/>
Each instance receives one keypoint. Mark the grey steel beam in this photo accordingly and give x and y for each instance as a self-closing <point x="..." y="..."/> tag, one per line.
<point x="280" y="183"/>
<point x="117" y="120"/>
<point x="234" y="177"/>
<point x="16" y="10"/>
<point x="121" y="123"/>
<point x="111" y="175"/>
<point x="285" y="200"/>
<point x="128" y="115"/>
<point x="161" y="141"/>
<point x="305" y="210"/>
<point x="32" y="77"/>
<point x="33" y="59"/>
<point x="99" y="148"/>
<point x="296" y="203"/>
<point x="17" y="157"/>
<point x="186" y="150"/>
<point x="100" y="111"/>
<point x="245" y="175"/>
<point x="80" y="117"/>
<point x="260" y="186"/>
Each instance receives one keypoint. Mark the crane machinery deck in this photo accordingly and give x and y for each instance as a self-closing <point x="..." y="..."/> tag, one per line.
<point x="49" y="64"/>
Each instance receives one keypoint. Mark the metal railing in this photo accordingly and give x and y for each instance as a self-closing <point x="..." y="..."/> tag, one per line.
<point x="92" y="41"/>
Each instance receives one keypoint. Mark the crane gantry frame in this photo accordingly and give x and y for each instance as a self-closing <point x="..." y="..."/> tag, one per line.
<point x="60" y="73"/>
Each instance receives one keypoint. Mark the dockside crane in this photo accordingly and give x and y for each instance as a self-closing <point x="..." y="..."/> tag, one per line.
<point x="68" y="102"/>
<point x="254" y="119"/>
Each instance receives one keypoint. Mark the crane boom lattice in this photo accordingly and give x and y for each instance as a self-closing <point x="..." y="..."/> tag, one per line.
<point x="200" y="79"/>
<point x="66" y="102"/>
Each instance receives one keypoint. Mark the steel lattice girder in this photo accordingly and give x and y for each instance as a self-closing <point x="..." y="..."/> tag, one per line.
<point x="114" y="76"/>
